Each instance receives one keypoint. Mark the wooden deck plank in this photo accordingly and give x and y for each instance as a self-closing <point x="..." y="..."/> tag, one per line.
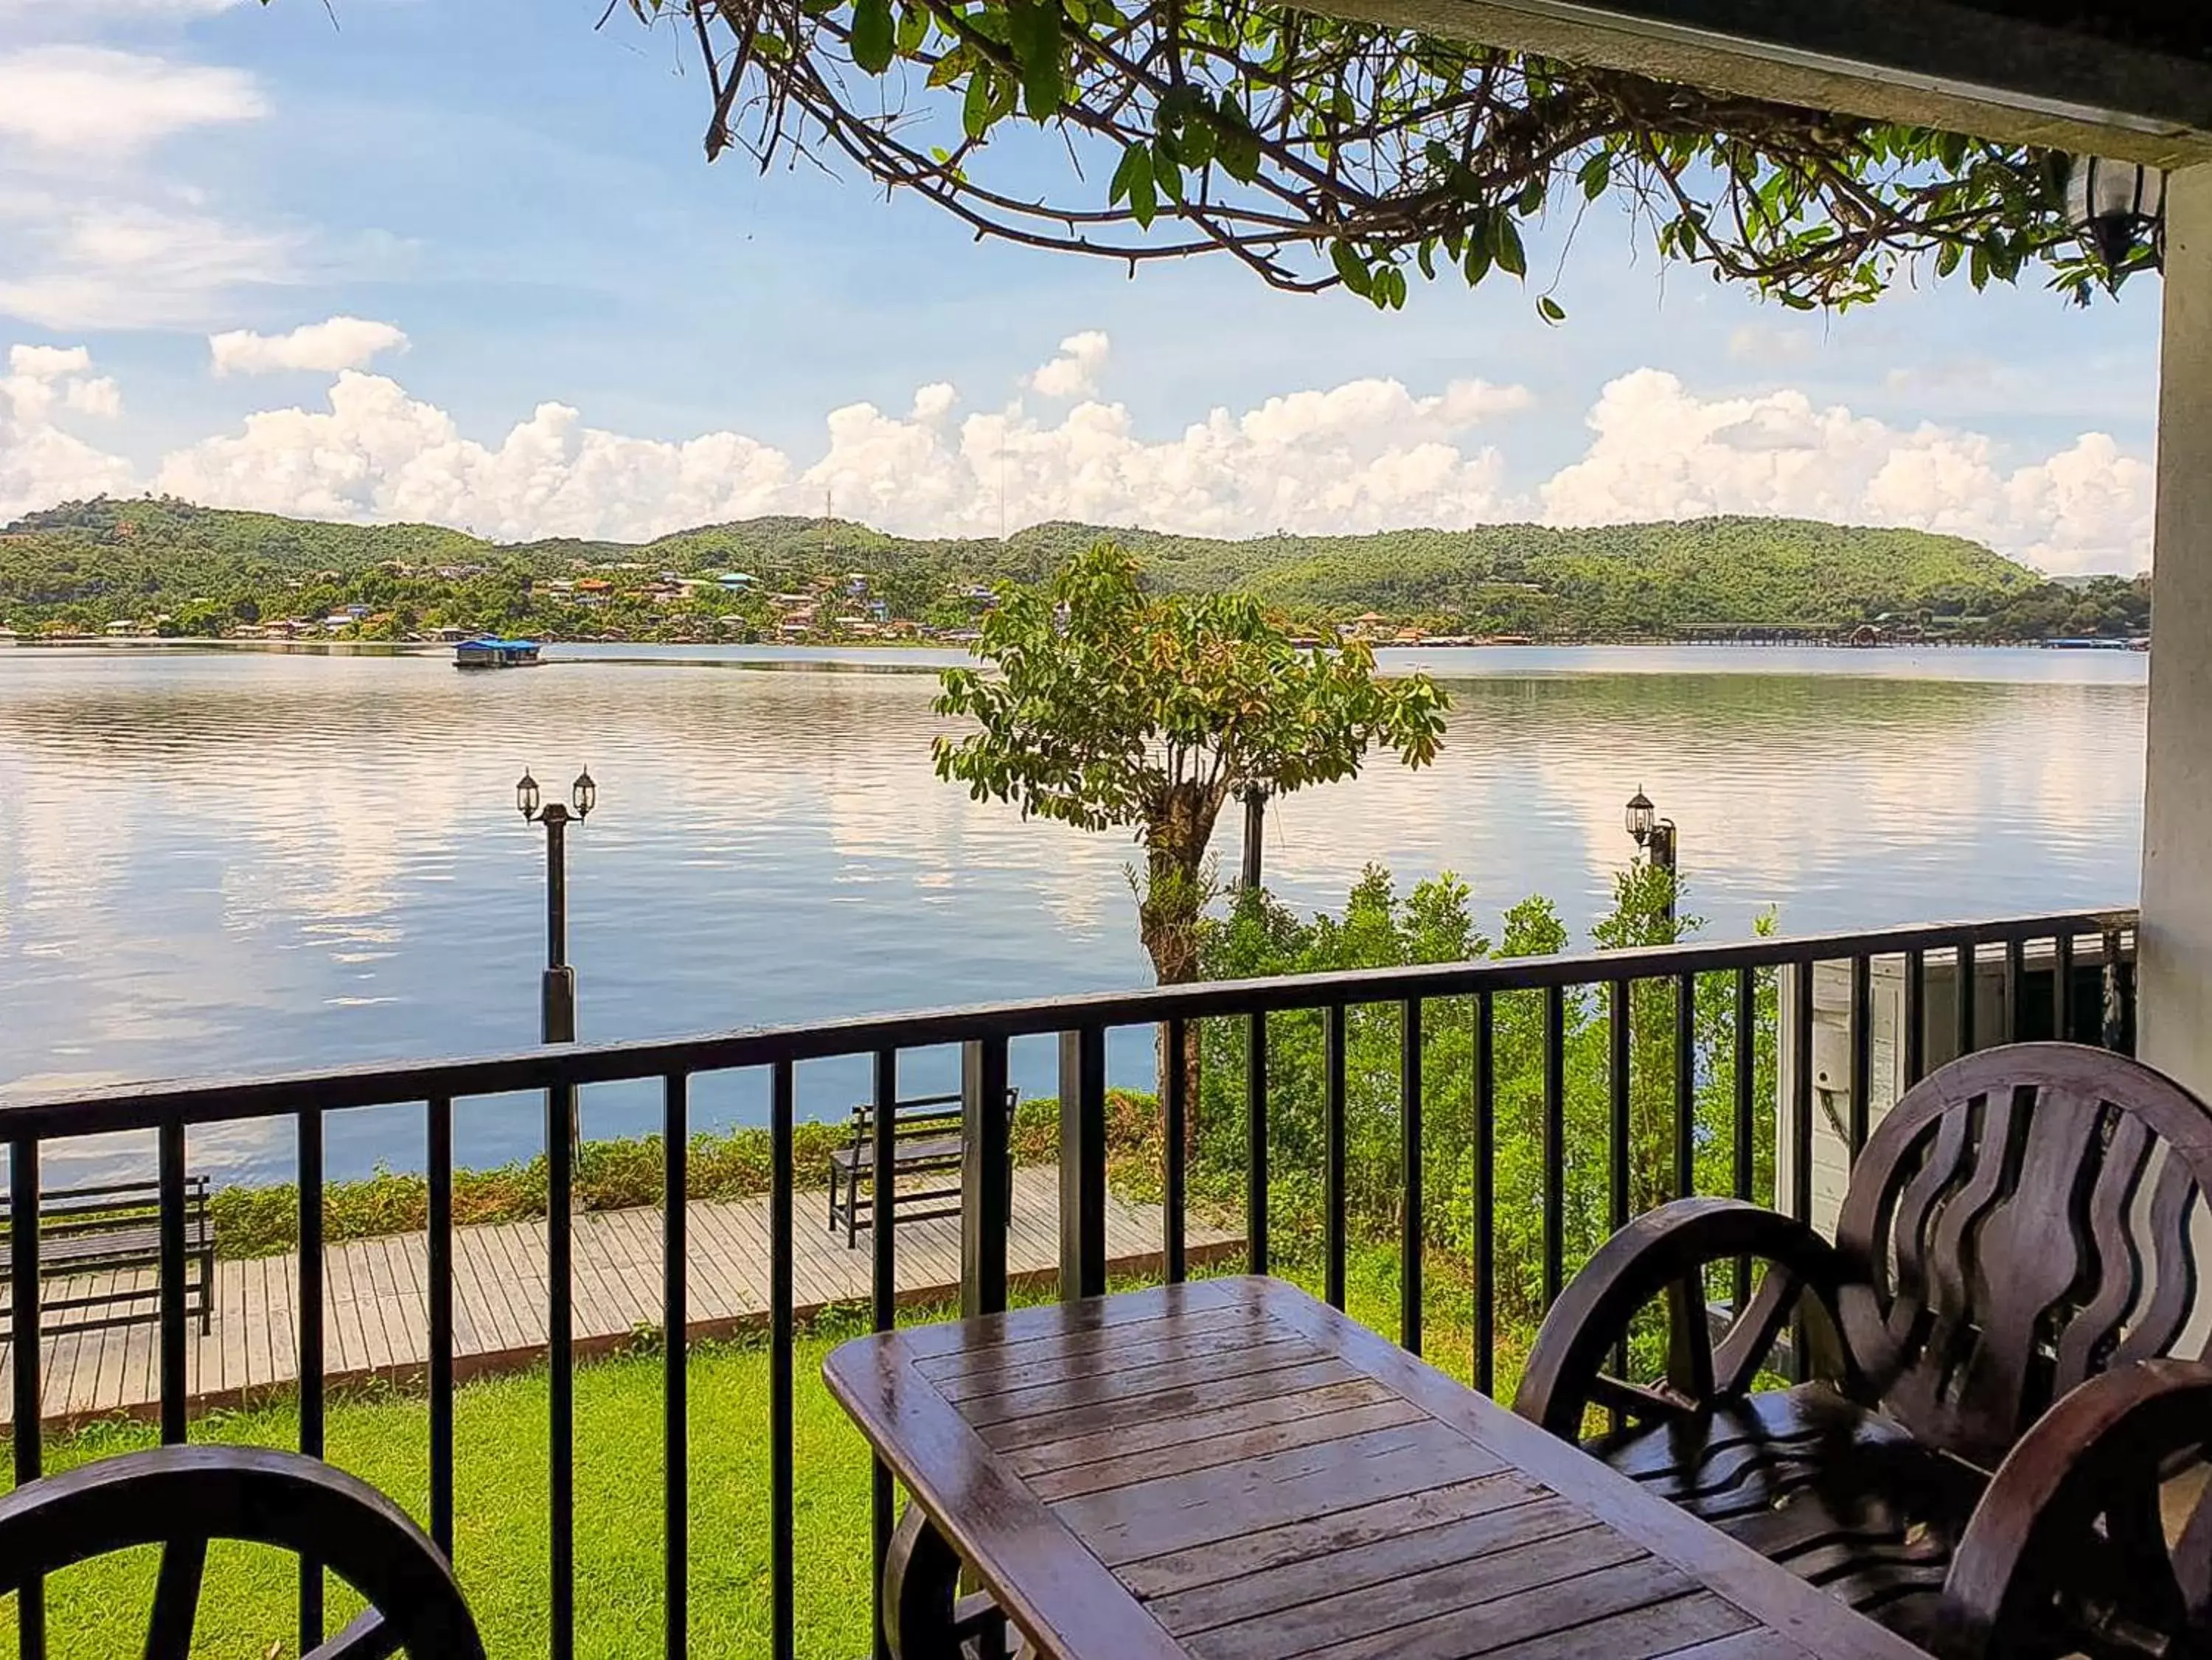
<point x="376" y="1292"/>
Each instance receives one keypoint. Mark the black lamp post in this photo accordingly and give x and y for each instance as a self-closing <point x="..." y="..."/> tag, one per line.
<point x="559" y="1015"/>
<point x="1656" y="836"/>
<point x="2115" y="206"/>
<point x="1254" y="797"/>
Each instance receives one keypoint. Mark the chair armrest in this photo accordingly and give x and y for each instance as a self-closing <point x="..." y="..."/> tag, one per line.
<point x="2034" y="1569"/>
<point x="1657" y="1251"/>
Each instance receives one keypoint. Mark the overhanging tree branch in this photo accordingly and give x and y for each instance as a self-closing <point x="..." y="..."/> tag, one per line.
<point x="1324" y="153"/>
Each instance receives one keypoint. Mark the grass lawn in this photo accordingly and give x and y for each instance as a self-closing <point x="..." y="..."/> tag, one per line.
<point x="499" y="1434"/>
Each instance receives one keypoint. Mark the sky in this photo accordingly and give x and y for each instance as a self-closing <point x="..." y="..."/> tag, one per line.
<point x="403" y="260"/>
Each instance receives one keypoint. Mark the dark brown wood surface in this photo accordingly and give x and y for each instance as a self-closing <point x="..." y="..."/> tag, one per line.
<point x="2015" y="1241"/>
<point x="1230" y="1470"/>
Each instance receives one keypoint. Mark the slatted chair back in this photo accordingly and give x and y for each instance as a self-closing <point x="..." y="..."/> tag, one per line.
<point x="2018" y="1223"/>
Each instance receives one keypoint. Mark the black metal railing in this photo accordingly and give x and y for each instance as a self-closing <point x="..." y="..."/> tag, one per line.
<point x="2048" y="985"/>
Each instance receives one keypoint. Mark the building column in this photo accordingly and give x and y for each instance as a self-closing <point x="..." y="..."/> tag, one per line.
<point x="2175" y="1012"/>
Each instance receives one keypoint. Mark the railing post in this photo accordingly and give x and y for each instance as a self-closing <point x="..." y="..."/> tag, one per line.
<point x="1334" y="1155"/>
<point x="1176" y="1116"/>
<point x="984" y="1171"/>
<point x="1082" y="1163"/>
<point x="1413" y="1245"/>
<point x="1255" y="1143"/>
<point x="26" y="1352"/>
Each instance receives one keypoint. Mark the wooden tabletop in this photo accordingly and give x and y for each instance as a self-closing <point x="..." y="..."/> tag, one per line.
<point x="1230" y="1470"/>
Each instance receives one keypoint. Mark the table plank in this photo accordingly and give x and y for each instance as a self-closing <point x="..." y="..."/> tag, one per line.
<point x="1233" y="1471"/>
<point x="1509" y="1577"/>
<point x="1348" y="1530"/>
<point x="1377" y="1562"/>
<point x="1164" y="1427"/>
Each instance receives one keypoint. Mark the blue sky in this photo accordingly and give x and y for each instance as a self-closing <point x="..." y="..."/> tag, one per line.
<point x="522" y="195"/>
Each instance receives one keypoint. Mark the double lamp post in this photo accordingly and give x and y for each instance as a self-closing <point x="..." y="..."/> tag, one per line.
<point x="558" y="1008"/>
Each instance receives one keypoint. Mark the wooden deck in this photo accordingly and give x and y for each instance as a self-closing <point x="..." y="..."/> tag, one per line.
<point x="376" y="1312"/>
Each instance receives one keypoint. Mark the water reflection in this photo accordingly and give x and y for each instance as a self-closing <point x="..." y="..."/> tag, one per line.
<point x="236" y="862"/>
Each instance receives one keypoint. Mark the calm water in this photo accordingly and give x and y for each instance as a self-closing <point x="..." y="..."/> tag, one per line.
<point x="224" y="862"/>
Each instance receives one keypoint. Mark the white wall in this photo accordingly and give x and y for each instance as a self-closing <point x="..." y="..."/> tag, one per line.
<point x="2174" y="1013"/>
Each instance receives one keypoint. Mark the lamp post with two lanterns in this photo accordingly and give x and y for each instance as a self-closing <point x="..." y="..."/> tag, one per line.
<point x="559" y="1004"/>
<point x="1656" y="836"/>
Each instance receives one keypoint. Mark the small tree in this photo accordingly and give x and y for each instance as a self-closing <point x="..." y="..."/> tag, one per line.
<point x="1112" y="708"/>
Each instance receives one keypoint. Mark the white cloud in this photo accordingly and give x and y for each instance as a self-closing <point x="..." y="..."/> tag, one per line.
<point x="97" y="228"/>
<point x="91" y="13"/>
<point x="1074" y="372"/>
<point x="1661" y="451"/>
<point x="48" y="362"/>
<point x="339" y="342"/>
<point x="40" y="463"/>
<point x="82" y="99"/>
<point x="1363" y="456"/>
<point x="116" y="263"/>
<point x="377" y="453"/>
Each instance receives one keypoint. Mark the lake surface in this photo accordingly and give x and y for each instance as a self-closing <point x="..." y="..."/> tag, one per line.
<point x="225" y="861"/>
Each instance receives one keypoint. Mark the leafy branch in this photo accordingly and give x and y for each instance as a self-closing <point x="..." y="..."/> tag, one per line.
<point x="1324" y="153"/>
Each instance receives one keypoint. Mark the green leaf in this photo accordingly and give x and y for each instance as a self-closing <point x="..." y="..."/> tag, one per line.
<point x="1351" y="267"/>
<point x="1505" y="236"/>
<point x="1549" y="309"/>
<point x="1595" y="174"/>
<point x="1238" y="146"/>
<point x="912" y="30"/>
<point x="1198" y="143"/>
<point x="976" y="108"/>
<point x="1132" y="182"/>
<point x="1033" y="31"/>
<point x="1477" y="263"/>
<point x="871" y="36"/>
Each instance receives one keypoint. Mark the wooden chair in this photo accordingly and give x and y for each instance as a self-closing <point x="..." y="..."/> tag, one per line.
<point x="1994" y="1403"/>
<point x="183" y="1498"/>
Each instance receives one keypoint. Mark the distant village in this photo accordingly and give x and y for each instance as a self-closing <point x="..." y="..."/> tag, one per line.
<point x="626" y="600"/>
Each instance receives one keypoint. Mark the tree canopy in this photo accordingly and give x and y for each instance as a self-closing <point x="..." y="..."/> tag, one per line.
<point x="1324" y="152"/>
<point x="1106" y="707"/>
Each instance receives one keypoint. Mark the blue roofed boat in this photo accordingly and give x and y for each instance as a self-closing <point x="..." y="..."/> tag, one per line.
<point x="489" y="653"/>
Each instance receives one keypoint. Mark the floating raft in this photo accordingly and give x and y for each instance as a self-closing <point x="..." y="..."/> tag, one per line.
<point x="495" y="654"/>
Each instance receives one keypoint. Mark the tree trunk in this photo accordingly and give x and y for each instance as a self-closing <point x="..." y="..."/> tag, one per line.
<point x="1168" y="915"/>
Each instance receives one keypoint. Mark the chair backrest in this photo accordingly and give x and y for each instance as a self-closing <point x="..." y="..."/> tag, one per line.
<point x="2018" y="1223"/>
<point x="919" y="1117"/>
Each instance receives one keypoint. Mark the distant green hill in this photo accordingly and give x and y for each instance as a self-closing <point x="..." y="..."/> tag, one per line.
<point x="87" y="563"/>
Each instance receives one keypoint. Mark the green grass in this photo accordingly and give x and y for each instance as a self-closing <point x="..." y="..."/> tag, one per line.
<point x="97" y="1610"/>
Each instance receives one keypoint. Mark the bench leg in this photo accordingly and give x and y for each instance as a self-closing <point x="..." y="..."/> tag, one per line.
<point x="925" y="1616"/>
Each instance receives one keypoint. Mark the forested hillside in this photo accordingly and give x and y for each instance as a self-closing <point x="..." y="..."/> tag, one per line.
<point x="179" y="569"/>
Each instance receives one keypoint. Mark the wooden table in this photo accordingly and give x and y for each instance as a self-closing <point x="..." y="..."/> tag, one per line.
<point x="1230" y="1470"/>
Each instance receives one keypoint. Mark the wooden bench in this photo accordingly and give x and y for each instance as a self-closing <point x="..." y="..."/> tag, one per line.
<point x="1230" y="1470"/>
<point x="925" y="1140"/>
<point x="114" y="1228"/>
<point x="2007" y="1374"/>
